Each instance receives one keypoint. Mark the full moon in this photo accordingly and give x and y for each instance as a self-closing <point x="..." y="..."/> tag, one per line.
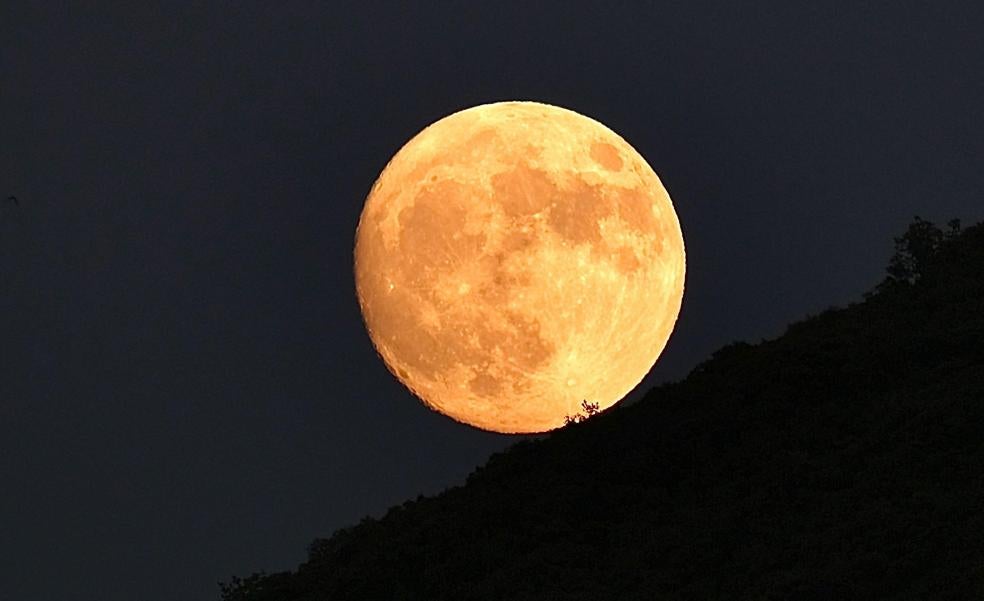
<point x="515" y="259"/>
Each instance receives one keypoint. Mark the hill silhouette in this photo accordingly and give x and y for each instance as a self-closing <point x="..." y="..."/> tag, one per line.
<point x="844" y="459"/>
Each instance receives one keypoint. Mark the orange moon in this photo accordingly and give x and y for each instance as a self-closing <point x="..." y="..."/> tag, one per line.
<point x="514" y="259"/>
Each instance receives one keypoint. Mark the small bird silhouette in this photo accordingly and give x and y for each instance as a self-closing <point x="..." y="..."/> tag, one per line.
<point x="14" y="200"/>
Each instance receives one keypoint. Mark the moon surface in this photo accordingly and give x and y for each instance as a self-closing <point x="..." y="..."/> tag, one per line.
<point x="514" y="259"/>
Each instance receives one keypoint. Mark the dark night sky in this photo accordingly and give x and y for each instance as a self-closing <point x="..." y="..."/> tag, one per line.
<point x="186" y="388"/>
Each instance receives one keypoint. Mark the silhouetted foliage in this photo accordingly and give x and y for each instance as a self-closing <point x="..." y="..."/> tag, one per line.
<point x="916" y="249"/>
<point x="842" y="460"/>
<point x="588" y="410"/>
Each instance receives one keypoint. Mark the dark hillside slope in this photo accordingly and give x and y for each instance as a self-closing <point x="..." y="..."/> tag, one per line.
<point x="844" y="459"/>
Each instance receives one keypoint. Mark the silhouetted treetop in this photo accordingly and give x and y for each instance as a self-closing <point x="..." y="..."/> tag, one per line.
<point x="917" y="248"/>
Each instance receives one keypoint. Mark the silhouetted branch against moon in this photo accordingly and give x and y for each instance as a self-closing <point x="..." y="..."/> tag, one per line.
<point x="588" y="410"/>
<point x="514" y="259"/>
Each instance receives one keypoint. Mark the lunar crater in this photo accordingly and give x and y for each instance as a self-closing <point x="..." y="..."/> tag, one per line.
<point x="607" y="156"/>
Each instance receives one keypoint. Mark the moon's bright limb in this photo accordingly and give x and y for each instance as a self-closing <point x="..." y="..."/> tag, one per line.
<point x="514" y="259"/>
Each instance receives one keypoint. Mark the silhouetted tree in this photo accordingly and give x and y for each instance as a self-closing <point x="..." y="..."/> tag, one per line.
<point x="240" y="589"/>
<point x="588" y="410"/>
<point x="916" y="248"/>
